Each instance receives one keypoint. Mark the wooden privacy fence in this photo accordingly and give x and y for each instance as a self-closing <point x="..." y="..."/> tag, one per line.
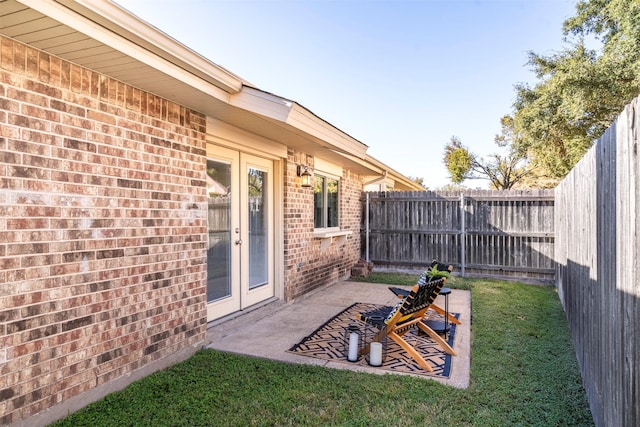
<point x="598" y="269"/>
<point x="481" y="232"/>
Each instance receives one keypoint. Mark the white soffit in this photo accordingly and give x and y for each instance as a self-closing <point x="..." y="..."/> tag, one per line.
<point x="60" y="30"/>
<point x="112" y="16"/>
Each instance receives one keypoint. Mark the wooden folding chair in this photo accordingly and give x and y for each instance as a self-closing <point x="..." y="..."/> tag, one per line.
<point x="402" y="293"/>
<point x="410" y="312"/>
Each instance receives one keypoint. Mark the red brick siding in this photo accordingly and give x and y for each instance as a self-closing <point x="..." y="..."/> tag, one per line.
<point x="306" y="267"/>
<point x="102" y="229"/>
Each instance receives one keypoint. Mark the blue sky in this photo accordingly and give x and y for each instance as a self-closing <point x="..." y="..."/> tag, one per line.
<point x="400" y="76"/>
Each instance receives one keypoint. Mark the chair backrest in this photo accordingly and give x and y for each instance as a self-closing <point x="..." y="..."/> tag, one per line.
<point x="422" y="295"/>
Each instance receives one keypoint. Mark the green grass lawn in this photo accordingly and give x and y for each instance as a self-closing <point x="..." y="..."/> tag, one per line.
<point x="523" y="373"/>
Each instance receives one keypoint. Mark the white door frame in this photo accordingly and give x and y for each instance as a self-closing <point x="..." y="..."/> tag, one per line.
<point x="258" y="294"/>
<point x="241" y="296"/>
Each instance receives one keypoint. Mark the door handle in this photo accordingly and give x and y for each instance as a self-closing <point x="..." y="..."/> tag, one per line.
<point x="239" y="242"/>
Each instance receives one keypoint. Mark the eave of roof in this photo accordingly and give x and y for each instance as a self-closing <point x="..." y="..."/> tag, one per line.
<point x="153" y="61"/>
<point x="280" y="110"/>
<point x="118" y="20"/>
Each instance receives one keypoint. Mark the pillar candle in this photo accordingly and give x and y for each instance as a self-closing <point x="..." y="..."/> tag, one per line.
<point x="353" y="347"/>
<point x="375" y="355"/>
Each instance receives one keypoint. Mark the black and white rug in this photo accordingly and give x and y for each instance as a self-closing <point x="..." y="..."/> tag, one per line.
<point x="326" y="343"/>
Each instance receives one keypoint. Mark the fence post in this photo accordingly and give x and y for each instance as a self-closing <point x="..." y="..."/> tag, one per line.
<point x="366" y="227"/>
<point x="462" y="233"/>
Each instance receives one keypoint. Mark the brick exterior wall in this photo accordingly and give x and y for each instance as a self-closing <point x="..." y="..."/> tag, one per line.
<point x="102" y="230"/>
<point x="306" y="266"/>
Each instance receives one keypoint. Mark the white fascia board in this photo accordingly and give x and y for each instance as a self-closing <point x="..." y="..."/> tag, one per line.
<point x="298" y="117"/>
<point x="394" y="174"/>
<point x="72" y="19"/>
<point x="122" y="18"/>
<point x="308" y="122"/>
<point x="262" y="103"/>
<point x="375" y="169"/>
<point x="382" y="173"/>
<point x="375" y="179"/>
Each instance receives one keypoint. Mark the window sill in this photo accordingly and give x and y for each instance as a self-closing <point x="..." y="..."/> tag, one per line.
<point x="327" y="236"/>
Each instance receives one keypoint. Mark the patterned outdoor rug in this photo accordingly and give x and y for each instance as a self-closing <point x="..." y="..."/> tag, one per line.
<point x="326" y="343"/>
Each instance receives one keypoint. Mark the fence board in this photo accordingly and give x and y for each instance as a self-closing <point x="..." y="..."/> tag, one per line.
<point x="598" y="274"/>
<point x="481" y="232"/>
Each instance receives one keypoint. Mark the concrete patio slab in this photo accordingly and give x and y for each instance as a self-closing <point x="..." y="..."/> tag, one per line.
<point x="269" y="330"/>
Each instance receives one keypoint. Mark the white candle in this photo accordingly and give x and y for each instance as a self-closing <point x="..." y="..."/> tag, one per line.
<point x="375" y="355"/>
<point x="353" y="347"/>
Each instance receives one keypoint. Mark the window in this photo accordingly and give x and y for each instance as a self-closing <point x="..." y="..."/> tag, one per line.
<point x="325" y="202"/>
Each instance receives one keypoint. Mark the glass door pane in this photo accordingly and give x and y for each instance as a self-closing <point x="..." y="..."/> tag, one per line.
<point x="219" y="216"/>
<point x="258" y="227"/>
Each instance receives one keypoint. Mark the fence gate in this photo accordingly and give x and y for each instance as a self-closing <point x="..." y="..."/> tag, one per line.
<point x="481" y="232"/>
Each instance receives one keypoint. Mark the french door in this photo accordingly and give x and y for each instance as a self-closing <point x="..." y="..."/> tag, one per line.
<point x="240" y="255"/>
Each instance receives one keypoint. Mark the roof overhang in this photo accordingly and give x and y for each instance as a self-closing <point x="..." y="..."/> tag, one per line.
<point x="304" y="130"/>
<point x="376" y="171"/>
<point x="104" y="37"/>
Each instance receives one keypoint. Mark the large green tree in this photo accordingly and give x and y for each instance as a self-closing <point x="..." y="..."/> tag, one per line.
<point x="581" y="89"/>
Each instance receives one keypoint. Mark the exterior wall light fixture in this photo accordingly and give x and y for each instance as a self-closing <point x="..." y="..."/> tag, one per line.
<point x="306" y="179"/>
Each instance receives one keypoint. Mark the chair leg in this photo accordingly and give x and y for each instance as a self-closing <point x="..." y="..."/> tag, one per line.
<point x="452" y="318"/>
<point x="412" y="351"/>
<point x="437" y="338"/>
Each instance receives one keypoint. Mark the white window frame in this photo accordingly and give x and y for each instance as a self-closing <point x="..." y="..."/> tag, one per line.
<point x="329" y="234"/>
<point x="325" y="195"/>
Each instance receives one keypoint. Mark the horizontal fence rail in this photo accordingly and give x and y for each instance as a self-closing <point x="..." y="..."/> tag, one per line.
<point x="481" y="232"/>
